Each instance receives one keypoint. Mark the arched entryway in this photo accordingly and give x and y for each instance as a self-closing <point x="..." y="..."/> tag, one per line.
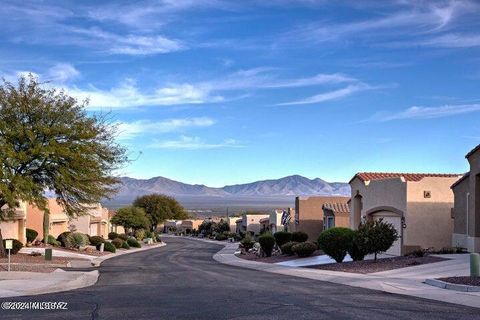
<point x="393" y="216"/>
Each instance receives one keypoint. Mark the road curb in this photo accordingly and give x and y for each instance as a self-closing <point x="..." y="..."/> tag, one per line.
<point x="97" y="261"/>
<point x="451" y="286"/>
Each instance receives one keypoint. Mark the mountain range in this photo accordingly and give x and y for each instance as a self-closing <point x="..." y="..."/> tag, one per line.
<point x="283" y="188"/>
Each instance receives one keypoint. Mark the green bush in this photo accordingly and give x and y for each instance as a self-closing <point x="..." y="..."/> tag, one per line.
<point x="112" y="235"/>
<point x="282" y="237"/>
<point x="96" y="240"/>
<point x="148" y="234"/>
<point x="123" y="236"/>
<point x="378" y="235"/>
<point x="304" y="249"/>
<point x="220" y="237"/>
<point x="125" y="245"/>
<point x="16" y="246"/>
<point x="53" y="241"/>
<point x="117" y="242"/>
<point x="62" y="237"/>
<point x="299" y="236"/>
<point x="267" y="242"/>
<point x="358" y="247"/>
<point x="31" y="235"/>
<point x="76" y="240"/>
<point x="109" y="247"/>
<point x="287" y="248"/>
<point x="140" y="234"/>
<point x="247" y="242"/>
<point x="133" y="243"/>
<point x="335" y="242"/>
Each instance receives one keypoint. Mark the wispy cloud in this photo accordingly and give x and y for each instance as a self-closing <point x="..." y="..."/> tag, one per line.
<point x="428" y="112"/>
<point x="452" y="41"/>
<point x="62" y="72"/>
<point x="194" y="143"/>
<point x="129" y="130"/>
<point x="329" y="95"/>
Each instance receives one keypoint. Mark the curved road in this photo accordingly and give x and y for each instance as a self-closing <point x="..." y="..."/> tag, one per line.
<point x="182" y="281"/>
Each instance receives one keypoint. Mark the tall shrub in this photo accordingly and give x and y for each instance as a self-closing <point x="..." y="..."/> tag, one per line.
<point x="335" y="242"/>
<point x="282" y="237"/>
<point x="299" y="236"/>
<point x="267" y="242"/>
<point x="31" y="235"/>
<point x="378" y="235"/>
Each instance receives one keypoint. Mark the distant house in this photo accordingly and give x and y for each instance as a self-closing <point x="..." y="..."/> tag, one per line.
<point x="94" y="223"/>
<point x="14" y="227"/>
<point x="273" y="222"/>
<point x="250" y="223"/>
<point x="232" y="222"/>
<point x="309" y="213"/>
<point x="466" y="211"/>
<point x="188" y="225"/>
<point x="418" y="205"/>
<point x="336" y="214"/>
<point x="171" y="225"/>
<point x="113" y="227"/>
<point x="57" y="217"/>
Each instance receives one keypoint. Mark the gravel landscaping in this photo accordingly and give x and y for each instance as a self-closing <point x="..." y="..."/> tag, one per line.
<point x="273" y="259"/>
<point x="26" y="262"/>
<point x="385" y="264"/>
<point x="469" y="281"/>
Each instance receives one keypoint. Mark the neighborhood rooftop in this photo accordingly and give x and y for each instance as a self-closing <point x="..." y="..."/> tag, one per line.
<point x="368" y="176"/>
<point x="337" y="207"/>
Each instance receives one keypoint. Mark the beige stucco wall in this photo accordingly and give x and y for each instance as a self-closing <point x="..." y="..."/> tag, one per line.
<point x="429" y="220"/>
<point x="58" y="218"/>
<point x="251" y="222"/>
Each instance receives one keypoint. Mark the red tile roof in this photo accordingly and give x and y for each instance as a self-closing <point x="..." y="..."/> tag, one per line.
<point x="337" y="207"/>
<point x="368" y="176"/>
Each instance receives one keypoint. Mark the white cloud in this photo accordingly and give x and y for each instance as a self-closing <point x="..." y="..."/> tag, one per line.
<point x="193" y="143"/>
<point x="330" y="95"/>
<point x="62" y="72"/>
<point x="129" y="130"/>
<point x="428" y="112"/>
<point x="453" y="41"/>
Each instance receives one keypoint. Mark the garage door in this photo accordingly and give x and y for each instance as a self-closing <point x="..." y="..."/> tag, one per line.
<point x="395" y="220"/>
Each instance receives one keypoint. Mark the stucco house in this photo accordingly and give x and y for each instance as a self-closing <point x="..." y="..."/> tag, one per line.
<point x="189" y="225"/>
<point x="250" y="223"/>
<point x="95" y="223"/>
<point x="57" y="217"/>
<point x="309" y="213"/>
<point x="274" y="221"/>
<point x="418" y="205"/>
<point x="466" y="210"/>
<point x="15" y="227"/>
<point x="336" y="214"/>
<point x="113" y="227"/>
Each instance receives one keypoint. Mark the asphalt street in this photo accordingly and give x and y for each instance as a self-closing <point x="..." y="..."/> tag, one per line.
<point x="182" y="281"/>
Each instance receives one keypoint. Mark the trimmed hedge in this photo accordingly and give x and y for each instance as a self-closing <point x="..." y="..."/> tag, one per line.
<point x="304" y="249"/>
<point x="16" y="246"/>
<point x="247" y="242"/>
<point x="62" y="237"/>
<point x="133" y="243"/>
<point x="109" y="247"/>
<point x="51" y="240"/>
<point x="299" y="236"/>
<point x="336" y="242"/>
<point x="112" y="235"/>
<point x="123" y="236"/>
<point x="282" y="237"/>
<point x="31" y="235"/>
<point x="117" y="242"/>
<point x="96" y="240"/>
<point x="287" y="248"/>
<point x="76" y="240"/>
<point x="125" y="245"/>
<point x="220" y="237"/>
<point x="267" y="242"/>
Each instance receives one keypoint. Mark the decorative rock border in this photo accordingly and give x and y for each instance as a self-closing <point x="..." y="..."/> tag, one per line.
<point x="452" y="286"/>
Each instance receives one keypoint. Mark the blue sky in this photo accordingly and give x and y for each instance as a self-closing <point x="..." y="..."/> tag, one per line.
<point x="223" y="92"/>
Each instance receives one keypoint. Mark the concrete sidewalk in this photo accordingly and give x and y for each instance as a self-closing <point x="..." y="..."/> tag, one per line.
<point x="15" y="284"/>
<point x="406" y="281"/>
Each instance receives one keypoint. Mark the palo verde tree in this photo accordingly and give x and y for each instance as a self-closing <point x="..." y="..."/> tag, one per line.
<point x="48" y="142"/>
<point x="159" y="208"/>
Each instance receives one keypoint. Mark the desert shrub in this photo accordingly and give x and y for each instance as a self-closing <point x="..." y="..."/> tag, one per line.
<point x="31" y="235"/>
<point x="125" y="245"/>
<point x="299" y="236"/>
<point x="76" y="240"/>
<point x="267" y="242"/>
<point x="304" y="249"/>
<point x="418" y="253"/>
<point x="358" y="247"/>
<point x="117" y="242"/>
<point x="220" y="237"/>
<point x="287" y="248"/>
<point x="16" y="246"/>
<point x="123" y="236"/>
<point x="140" y="234"/>
<point x="112" y="235"/>
<point x="96" y="240"/>
<point x="247" y="242"/>
<point x="282" y="237"/>
<point x="62" y="237"/>
<point x="335" y="242"/>
<point x="110" y="247"/>
<point x="53" y="241"/>
<point x="133" y="243"/>
<point x="379" y="235"/>
<point x="148" y="234"/>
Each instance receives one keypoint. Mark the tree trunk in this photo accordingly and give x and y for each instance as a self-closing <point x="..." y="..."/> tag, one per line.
<point x="46" y="226"/>
<point x="2" y="248"/>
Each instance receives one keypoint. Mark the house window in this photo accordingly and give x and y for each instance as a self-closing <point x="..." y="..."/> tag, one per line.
<point x="330" y="223"/>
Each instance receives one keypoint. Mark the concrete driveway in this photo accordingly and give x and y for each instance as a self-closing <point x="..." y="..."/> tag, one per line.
<point x="182" y="281"/>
